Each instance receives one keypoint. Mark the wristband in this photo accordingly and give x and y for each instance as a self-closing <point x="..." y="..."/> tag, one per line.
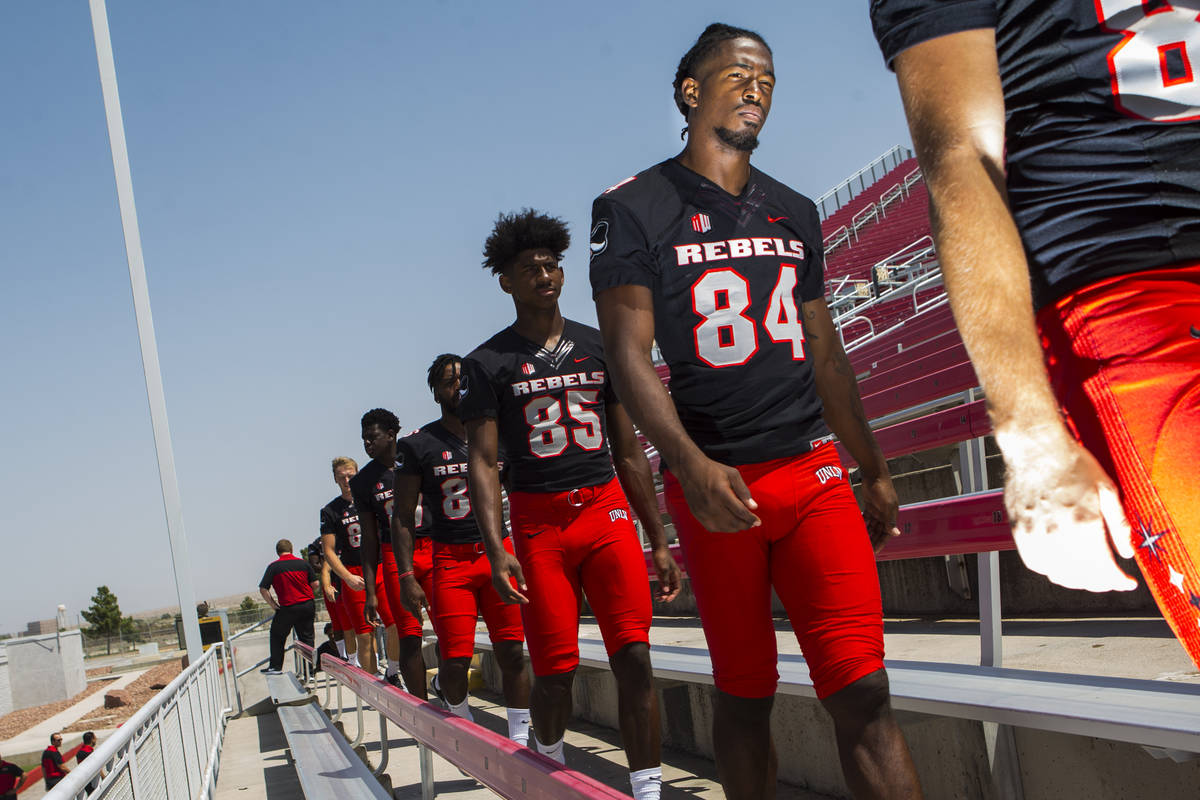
<point x="404" y="575"/>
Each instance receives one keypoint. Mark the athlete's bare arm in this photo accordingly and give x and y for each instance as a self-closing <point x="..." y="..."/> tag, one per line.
<point x="633" y="470"/>
<point x="1058" y="498"/>
<point x="329" y="546"/>
<point x="326" y="584"/>
<point x="483" y="478"/>
<point x="843" y="410"/>
<point x="715" y="493"/>
<point x="407" y="493"/>
<point x="369" y="553"/>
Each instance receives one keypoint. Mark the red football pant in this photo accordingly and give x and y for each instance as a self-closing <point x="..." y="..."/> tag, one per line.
<point x="1124" y="359"/>
<point x="463" y="590"/>
<point x="813" y="548"/>
<point x="354" y="602"/>
<point x="406" y="623"/>
<point x="568" y="542"/>
<point x="337" y="614"/>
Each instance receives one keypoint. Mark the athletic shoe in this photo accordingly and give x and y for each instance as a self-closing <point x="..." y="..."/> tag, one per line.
<point x="394" y="680"/>
<point x="269" y="671"/>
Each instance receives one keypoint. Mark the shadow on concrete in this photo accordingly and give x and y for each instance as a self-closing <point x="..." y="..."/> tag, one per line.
<point x="279" y="775"/>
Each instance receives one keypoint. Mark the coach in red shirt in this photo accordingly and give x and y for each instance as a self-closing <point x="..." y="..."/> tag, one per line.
<point x="295" y="585"/>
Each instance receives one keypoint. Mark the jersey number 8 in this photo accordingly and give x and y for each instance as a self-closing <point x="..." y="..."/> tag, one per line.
<point x="726" y="337"/>
<point x="548" y="437"/>
<point x="1150" y="67"/>
<point x="456" y="503"/>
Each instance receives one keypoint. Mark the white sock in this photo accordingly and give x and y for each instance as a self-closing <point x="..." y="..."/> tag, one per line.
<point x="341" y="646"/>
<point x="646" y="783"/>
<point x="462" y="709"/>
<point x="354" y="660"/>
<point x="393" y="666"/>
<point x="554" y="751"/>
<point x="518" y="725"/>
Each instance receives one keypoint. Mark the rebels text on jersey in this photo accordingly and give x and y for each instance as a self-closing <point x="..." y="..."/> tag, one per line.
<point x="1102" y="129"/>
<point x="339" y="518"/>
<point x="728" y="275"/>
<point x="439" y="459"/>
<point x="372" y="491"/>
<point x="548" y="406"/>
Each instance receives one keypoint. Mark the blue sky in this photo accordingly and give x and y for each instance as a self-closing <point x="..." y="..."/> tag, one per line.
<point x="314" y="182"/>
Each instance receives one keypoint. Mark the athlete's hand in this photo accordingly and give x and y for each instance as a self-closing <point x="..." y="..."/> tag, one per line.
<point x="717" y="496"/>
<point x="506" y="569"/>
<point x="356" y="583"/>
<point x="371" y="610"/>
<point x="330" y="593"/>
<point x="1064" y="510"/>
<point x="413" y="597"/>
<point x="881" y="506"/>
<point x="668" y="574"/>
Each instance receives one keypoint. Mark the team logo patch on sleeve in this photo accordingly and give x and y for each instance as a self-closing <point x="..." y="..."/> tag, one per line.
<point x="527" y="368"/>
<point x="599" y="238"/>
<point x="445" y="455"/>
<point x="701" y="223"/>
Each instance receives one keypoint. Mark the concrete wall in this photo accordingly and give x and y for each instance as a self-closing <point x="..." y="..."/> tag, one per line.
<point x="45" y="669"/>
<point x="951" y="754"/>
<point x="6" y="704"/>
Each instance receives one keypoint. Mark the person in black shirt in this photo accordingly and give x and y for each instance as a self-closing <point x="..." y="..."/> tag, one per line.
<point x="53" y="770"/>
<point x="295" y="583"/>
<point x="341" y="538"/>
<point x="329" y="647"/>
<point x="10" y="779"/>
<point x="722" y="265"/>
<point x="540" y="389"/>
<point x="373" y="496"/>
<point x="1060" y="141"/>
<point x="431" y="462"/>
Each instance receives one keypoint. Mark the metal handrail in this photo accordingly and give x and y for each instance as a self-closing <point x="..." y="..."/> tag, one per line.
<point x="116" y="754"/>
<point x="255" y="626"/>
<point x="894" y="155"/>
<point x="507" y="768"/>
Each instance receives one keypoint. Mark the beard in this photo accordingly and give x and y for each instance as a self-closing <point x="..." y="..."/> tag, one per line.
<point x="744" y="140"/>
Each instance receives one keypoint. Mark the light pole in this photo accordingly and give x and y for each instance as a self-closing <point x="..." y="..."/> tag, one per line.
<point x="145" y="326"/>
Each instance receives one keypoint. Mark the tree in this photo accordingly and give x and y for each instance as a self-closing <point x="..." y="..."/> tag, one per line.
<point x="248" y="604"/>
<point x="104" y="616"/>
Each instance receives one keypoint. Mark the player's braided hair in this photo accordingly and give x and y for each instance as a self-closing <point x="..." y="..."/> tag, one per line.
<point x="523" y="230"/>
<point x="439" y="366"/>
<point x="712" y="38"/>
<point x="381" y="417"/>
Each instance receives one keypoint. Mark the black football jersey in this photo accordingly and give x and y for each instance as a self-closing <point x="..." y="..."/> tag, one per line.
<point x="548" y="406"/>
<point x="728" y="276"/>
<point x="1103" y="126"/>
<point x="439" y="459"/>
<point x="339" y="518"/>
<point x="372" y="491"/>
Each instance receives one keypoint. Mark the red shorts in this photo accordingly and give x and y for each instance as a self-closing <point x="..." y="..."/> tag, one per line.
<point x="583" y="539"/>
<point x="406" y="623"/>
<point x="1124" y="359"/>
<point x="353" y="603"/>
<point x="813" y="548"/>
<point x="463" y="590"/>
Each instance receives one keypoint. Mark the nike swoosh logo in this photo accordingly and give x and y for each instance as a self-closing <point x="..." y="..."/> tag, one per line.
<point x="774" y="219"/>
<point x="531" y="535"/>
<point x="1195" y="333"/>
<point x="585" y="358"/>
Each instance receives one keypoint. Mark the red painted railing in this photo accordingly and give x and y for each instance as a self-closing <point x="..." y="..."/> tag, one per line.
<point x="505" y="767"/>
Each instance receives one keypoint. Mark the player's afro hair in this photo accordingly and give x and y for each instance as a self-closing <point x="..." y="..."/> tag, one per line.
<point x="381" y="417"/>
<point x="523" y="230"/>
<point x="712" y="38"/>
<point x="438" y="367"/>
